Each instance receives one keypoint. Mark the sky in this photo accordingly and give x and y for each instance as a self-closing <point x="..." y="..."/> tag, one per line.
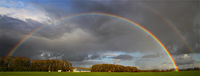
<point x="95" y="39"/>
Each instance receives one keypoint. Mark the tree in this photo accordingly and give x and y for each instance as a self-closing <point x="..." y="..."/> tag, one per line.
<point x="112" y="68"/>
<point x="25" y="64"/>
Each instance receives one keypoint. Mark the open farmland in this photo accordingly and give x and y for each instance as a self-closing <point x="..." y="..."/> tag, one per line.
<point x="180" y="73"/>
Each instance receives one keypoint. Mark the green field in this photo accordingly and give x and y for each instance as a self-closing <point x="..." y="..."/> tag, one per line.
<point x="180" y="73"/>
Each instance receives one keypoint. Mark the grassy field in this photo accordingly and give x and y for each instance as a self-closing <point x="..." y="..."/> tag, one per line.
<point x="180" y="73"/>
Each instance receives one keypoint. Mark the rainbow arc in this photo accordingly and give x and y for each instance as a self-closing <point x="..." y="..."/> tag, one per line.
<point x="14" y="49"/>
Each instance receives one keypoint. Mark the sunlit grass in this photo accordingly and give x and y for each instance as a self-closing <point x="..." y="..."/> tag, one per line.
<point x="180" y="73"/>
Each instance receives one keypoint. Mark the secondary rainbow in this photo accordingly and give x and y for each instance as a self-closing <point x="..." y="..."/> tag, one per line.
<point x="170" y="24"/>
<point x="174" y="28"/>
<point x="13" y="50"/>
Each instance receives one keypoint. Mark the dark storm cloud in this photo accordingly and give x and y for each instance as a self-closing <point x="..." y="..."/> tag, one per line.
<point x="115" y="34"/>
<point x="97" y="6"/>
<point x="10" y="23"/>
<point x="12" y="30"/>
<point x="182" y="18"/>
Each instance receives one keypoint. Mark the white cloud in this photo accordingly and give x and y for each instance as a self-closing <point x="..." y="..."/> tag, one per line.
<point x="22" y="11"/>
<point x="42" y="54"/>
<point x="110" y="54"/>
<point x="185" y="56"/>
<point x="23" y="14"/>
<point x="116" y="60"/>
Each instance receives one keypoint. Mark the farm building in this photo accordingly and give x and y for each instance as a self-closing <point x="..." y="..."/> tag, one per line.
<point x="81" y="70"/>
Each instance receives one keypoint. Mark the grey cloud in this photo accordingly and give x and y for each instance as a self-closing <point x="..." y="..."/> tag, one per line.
<point x="96" y="57"/>
<point x="154" y="55"/>
<point x="181" y="20"/>
<point x="150" y="56"/>
<point x="85" y="63"/>
<point x="143" y="17"/>
<point x="184" y="60"/>
<point x="124" y="57"/>
<point x="10" y="23"/>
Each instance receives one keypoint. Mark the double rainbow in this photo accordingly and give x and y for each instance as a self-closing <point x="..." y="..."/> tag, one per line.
<point x="174" y="28"/>
<point x="171" y="25"/>
<point x="99" y="14"/>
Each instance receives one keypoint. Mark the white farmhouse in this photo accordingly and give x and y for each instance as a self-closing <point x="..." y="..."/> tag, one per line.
<point x="81" y="70"/>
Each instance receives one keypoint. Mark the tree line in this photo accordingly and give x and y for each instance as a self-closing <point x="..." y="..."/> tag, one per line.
<point x="112" y="68"/>
<point x="120" y="68"/>
<point x="25" y="64"/>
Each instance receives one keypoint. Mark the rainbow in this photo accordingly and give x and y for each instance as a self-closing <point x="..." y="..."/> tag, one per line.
<point x="13" y="50"/>
<point x="170" y="24"/>
<point x="174" y="28"/>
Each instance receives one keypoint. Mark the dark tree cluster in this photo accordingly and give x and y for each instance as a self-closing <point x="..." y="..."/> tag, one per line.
<point x="112" y="68"/>
<point x="25" y="64"/>
<point x="191" y="69"/>
<point x="157" y="70"/>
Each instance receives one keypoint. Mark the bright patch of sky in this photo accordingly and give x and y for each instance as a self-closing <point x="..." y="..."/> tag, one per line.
<point x="13" y="4"/>
<point x="22" y="10"/>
